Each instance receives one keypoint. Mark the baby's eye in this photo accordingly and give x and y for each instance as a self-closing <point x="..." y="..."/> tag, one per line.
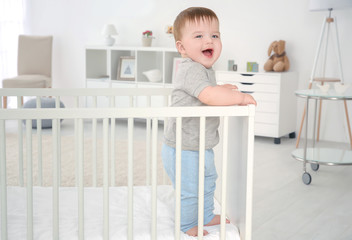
<point x="215" y="36"/>
<point x="199" y="36"/>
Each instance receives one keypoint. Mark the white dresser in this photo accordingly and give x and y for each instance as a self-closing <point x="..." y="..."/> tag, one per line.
<point x="276" y="101"/>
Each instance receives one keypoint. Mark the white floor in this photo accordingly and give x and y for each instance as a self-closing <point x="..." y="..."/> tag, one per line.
<point x="283" y="207"/>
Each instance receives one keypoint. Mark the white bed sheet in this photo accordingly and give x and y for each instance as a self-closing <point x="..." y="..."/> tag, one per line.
<point x="42" y="198"/>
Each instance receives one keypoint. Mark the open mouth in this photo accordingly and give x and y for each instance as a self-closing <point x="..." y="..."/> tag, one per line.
<point x="208" y="52"/>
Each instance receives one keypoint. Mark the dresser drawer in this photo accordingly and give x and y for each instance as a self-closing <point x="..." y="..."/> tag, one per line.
<point x="266" y="130"/>
<point x="267" y="107"/>
<point x="263" y="117"/>
<point x="272" y="78"/>
<point x="254" y="87"/>
<point x="257" y="87"/>
<point x="266" y="97"/>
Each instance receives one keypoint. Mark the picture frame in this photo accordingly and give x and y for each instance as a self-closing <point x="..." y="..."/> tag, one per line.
<point x="126" y="68"/>
<point x="177" y="61"/>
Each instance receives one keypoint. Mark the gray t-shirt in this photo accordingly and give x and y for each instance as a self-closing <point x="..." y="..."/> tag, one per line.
<point x="191" y="79"/>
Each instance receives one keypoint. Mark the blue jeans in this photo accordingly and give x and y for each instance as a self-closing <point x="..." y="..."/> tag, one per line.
<point x="189" y="184"/>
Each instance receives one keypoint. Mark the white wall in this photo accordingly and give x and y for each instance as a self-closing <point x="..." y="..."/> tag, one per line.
<point x="247" y="29"/>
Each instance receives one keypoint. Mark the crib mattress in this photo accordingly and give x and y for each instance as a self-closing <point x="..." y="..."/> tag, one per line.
<point x="93" y="200"/>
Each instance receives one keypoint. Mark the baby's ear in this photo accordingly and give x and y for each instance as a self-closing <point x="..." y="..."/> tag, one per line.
<point x="180" y="47"/>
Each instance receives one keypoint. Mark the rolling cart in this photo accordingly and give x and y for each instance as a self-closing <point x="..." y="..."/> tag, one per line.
<point x="322" y="156"/>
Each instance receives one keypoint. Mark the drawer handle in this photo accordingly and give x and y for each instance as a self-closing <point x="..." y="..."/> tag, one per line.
<point x="246" y="83"/>
<point x="247" y="74"/>
<point x="249" y="92"/>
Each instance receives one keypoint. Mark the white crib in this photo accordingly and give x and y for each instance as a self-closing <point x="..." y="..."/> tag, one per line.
<point x="41" y="209"/>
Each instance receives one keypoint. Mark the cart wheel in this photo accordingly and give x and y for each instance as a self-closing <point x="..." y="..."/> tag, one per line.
<point x="314" y="166"/>
<point x="307" y="179"/>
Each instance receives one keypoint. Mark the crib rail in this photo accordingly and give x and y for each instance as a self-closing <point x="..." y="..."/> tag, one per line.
<point x="153" y="115"/>
<point x="82" y="92"/>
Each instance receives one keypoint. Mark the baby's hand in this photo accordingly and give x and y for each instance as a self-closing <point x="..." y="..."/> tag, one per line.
<point x="248" y="99"/>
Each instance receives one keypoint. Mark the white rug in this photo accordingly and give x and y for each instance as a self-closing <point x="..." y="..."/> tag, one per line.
<point x="68" y="161"/>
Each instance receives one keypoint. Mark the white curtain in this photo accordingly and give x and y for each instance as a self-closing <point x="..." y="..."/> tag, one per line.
<point x="12" y="15"/>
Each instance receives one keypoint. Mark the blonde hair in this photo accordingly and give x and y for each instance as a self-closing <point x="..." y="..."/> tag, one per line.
<point x="192" y="14"/>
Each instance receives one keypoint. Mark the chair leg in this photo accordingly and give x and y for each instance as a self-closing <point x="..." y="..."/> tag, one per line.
<point x="348" y="123"/>
<point x="5" y="101"/>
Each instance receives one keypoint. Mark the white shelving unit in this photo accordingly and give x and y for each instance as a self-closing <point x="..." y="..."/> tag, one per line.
<point x="274" y="93"/>
<point x="103" y="62"/>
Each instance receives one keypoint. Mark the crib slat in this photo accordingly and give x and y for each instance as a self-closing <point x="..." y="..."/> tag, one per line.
<point x="55" y="180"/>
<point x="112" y="142"/>
<point x="201" y="178"/>
<point x="178" y="178"/>
<point x="80" y="180"/>
<point x="29" y="179"/>
<point x="94" y="146"/>
<point x="224" y="178"/>
<point x="249" y="180"/>
<point x="76" y="141"/>
<point x="130" y="178"/>
<point x="106" y="178"/>
<point x="131" y="101"/>
<point x="57" y="105"/>
<point x="154" y="177"/>
<point x="20" y="146"/>
<point x="3" y="192"/>
<point x="112" y="153"/>
<point x="165" y="104"/>
<point x="39" y="141"/>
<point x="148" y="147"/>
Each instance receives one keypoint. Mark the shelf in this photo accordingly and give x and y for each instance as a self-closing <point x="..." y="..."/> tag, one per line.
<point x="324" y="156"/>
<point x="103" y="64"/>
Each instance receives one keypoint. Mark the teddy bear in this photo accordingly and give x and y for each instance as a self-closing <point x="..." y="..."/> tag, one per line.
<point x="278" y="61"/>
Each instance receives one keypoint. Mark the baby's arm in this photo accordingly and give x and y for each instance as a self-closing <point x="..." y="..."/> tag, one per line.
<point x="224" y="95"/>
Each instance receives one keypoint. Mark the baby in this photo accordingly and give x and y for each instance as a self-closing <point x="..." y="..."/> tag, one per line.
<point x="197" y="36"/>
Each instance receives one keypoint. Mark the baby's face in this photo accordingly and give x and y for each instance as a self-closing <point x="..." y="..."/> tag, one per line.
<point x="201" y="42"/>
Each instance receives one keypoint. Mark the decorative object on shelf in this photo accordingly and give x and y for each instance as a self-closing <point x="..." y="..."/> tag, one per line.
<point x="169" y="30"/>
<point x="324" y="88"/>
<point x="230" y="65"/>
<point x="278" y="61"/>
<point x="177" y="61"/>
<point x="126" y="68"/>
<point x="108" y="31"/>
<point x="341" y="88"/>
<point x="252" y="67"/>
<point x="147" y="38"/>
<point x="153" y="75"/>
<point x="328" y="25"/>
